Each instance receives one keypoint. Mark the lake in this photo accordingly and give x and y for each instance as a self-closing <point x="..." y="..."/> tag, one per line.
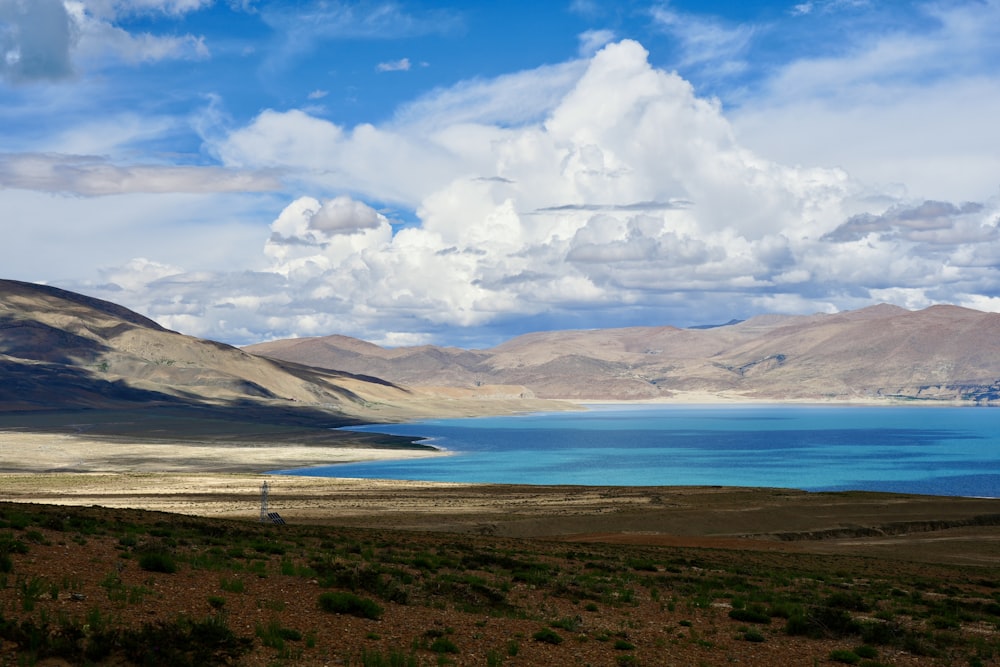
<point x="951" y="451"/>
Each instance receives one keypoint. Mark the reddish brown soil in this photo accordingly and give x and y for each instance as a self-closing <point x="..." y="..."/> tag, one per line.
<point x="664" y="624"/>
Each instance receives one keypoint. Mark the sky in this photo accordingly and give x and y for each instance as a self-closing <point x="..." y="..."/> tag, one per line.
<point x="459" y="173"/>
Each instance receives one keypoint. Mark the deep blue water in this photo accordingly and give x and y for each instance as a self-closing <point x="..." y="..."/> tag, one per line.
<point x="932" y="450"/>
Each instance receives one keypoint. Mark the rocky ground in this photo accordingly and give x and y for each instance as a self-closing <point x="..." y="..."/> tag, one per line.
<point x="427" y="575"/>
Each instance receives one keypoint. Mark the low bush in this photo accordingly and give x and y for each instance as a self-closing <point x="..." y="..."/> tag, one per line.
<point x="156" y="561"/>
<point x="443" y="645"/>
<point x="349" y="603"/>
<point x="548" y="636"/>
<point x="845" y="656"/>
<point x="749" y="616"/>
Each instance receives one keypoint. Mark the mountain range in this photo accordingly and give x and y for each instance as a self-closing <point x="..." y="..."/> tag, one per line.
<point x="941" y="353"/>
<point x="60" y="350"/>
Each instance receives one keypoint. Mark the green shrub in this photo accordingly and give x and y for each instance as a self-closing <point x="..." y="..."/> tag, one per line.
<point x="753" y="636"/>
<point x="548" y="636"/>
<point x="848" y="600"/>
<point x="443" y="645"/>
<point x="568" y="623"/>
<point x="622" y="645"/>
<point x="156" y="561"/>
<point x="845" y="656"/>
<point x="396" y="658"/>
<point x="866" y="651"/>
<point x="881" y="633"/>
<point x="823" y="622"/>
<point x="749" y="616"/>
<point x="274" y="635"/>
<point x="232" y="585"/>
<point x="349" y="603"/>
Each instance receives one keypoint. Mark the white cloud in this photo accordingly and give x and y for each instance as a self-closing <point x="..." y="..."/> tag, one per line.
<point x="343" y="215"/>
<point x="66" y="239"/>
<point x="401" y="65"/>
<point x="112" y="9"/>
<point x="137" y="273"/>
<point x="705" y="42"/>
<point x="893" y="107"/>
<point x="94" y="176"/>
<point x="593" y="40"/>
<point x="317" y="21"/>
<point x="642" y="196"/>
<point x="510" y="99"/>
<point x="102" y="38"/>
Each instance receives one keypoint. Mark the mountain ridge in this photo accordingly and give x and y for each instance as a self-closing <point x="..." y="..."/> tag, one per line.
<point x="940" y="353"/>
<point x="59" y="349"/>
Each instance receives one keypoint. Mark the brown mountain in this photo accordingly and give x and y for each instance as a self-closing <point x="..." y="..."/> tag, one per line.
<point x="940" y="353"/>
<point x="61" y="351"/>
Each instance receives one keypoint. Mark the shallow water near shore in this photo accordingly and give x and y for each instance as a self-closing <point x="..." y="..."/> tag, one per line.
<point x="952" y="451"/>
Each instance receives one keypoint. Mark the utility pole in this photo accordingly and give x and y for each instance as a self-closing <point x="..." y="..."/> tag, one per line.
<point x="264" y="518"/>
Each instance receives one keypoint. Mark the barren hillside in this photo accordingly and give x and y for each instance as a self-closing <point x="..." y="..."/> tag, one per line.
<point x="940" y="353"/>
<point x="64" y="351"/>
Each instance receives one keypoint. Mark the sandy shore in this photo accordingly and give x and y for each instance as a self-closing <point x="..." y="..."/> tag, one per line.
<point x="47" y="452"/>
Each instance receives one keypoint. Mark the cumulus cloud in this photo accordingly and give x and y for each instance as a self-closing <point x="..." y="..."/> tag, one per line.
<point x="343" y="215"/>
<point x="644" y="196"/>
<point x="623" y="194"/>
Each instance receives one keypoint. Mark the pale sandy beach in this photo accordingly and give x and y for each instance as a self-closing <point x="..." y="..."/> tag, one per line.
<point x="44" y="452"/>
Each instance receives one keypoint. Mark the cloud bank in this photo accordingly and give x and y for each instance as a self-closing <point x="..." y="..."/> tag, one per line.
<point x="617" y="196"/>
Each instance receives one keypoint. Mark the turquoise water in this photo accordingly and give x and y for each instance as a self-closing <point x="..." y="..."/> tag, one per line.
<point x="932" y="450"/>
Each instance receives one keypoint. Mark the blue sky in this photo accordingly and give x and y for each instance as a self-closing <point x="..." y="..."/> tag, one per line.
<point x="460" y="173"/>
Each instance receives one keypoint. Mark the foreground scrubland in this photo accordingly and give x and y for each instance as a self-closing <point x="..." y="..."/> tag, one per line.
<point x="93" y="585"/>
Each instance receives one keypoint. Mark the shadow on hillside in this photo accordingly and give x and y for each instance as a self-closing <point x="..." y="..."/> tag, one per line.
<point x="48" y="398"/>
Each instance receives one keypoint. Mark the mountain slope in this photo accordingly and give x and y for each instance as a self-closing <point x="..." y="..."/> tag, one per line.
<point x="940" y="353"/>
<point x="59" y="349"/>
